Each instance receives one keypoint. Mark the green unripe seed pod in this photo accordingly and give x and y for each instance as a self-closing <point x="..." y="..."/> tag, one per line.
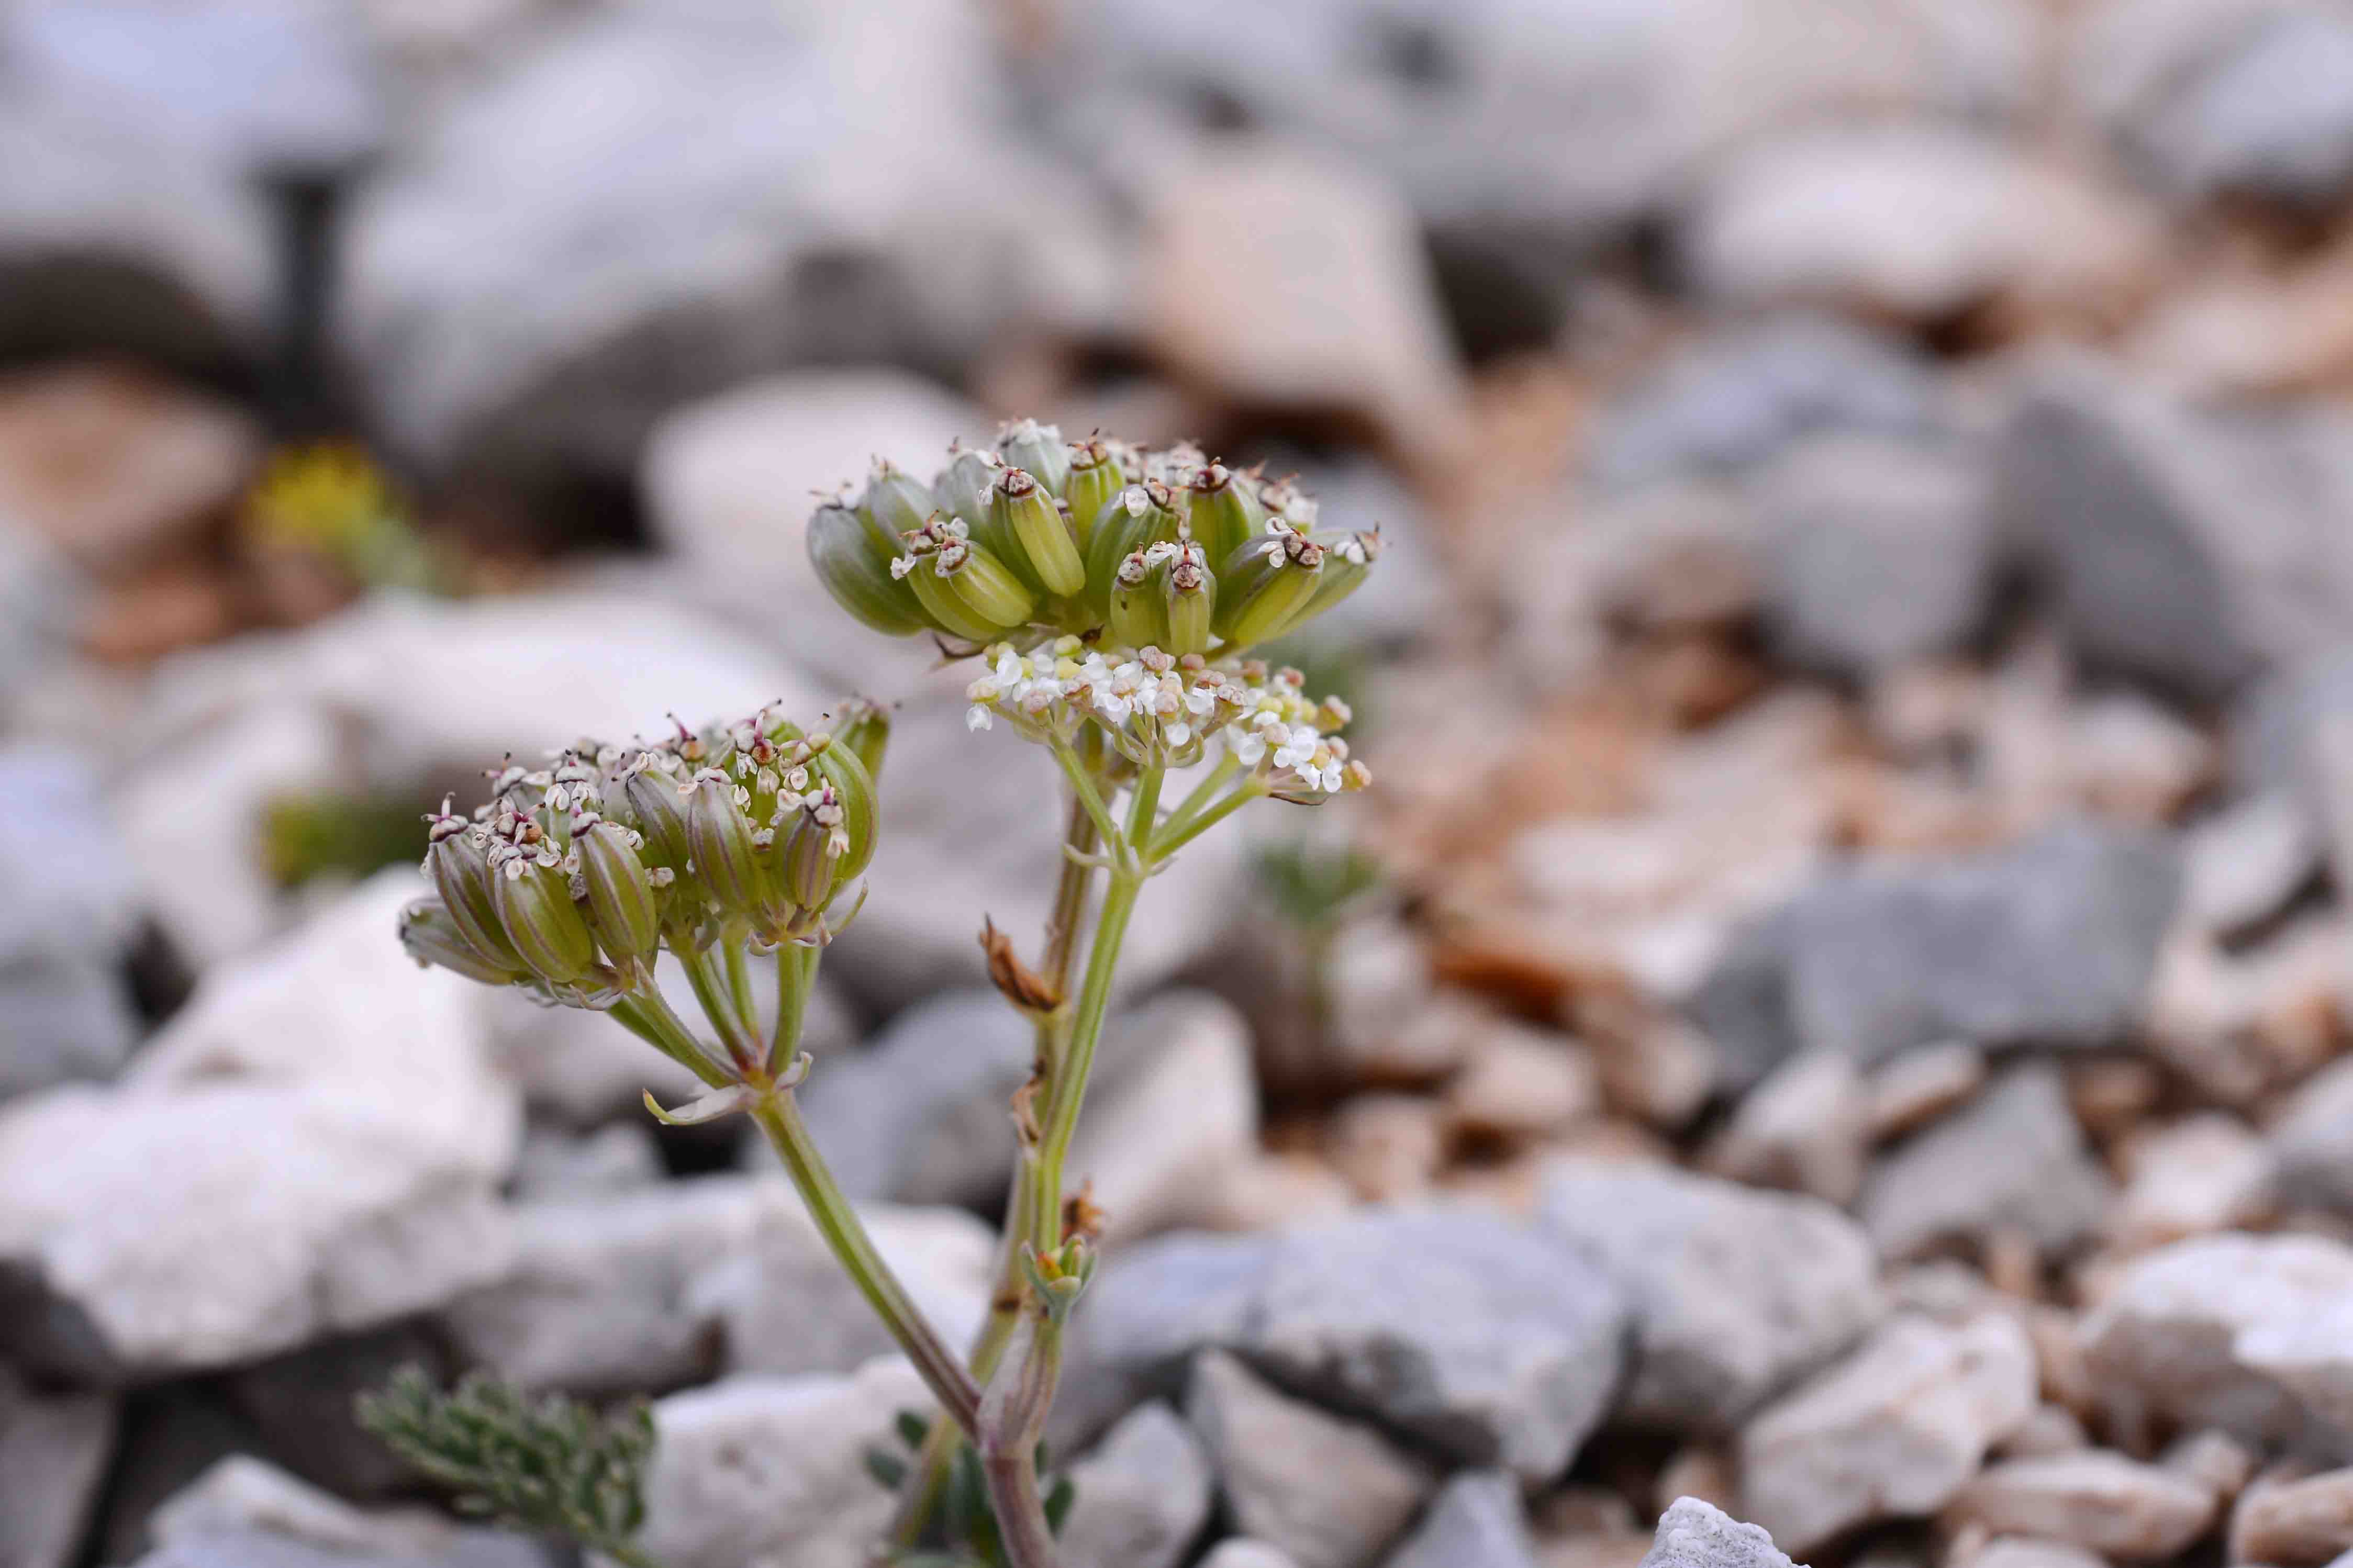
<point x="852" y="782"/>
<point x="1347" y="561"/>
<point x="961" y="489"/>
<point x="659" y="810"/>
<point x="1139" y="612"/>
<point x="1039" y="450"/>
<point x="432" y="939"/>
<point x="862" y="729"/>
<point x="726" y="861"/>
<point x="622" y="912"/>
<point x="1136" y="518"/>
<point x="984" y="587"/>
<point x="1191" y="594"/>
<point x="536" y="907"/>
<point x="899" y="502"/>
<point x="1265" y="584"/>
<point x="1224" y="511"/>
<point x="806" y="854"/>
<point x="1026" y="529"/>
<point x="946" y="607"/>
<point x="1095" y="481"/>
<point x="460" y="864"/>
<point x="851" y="553"/>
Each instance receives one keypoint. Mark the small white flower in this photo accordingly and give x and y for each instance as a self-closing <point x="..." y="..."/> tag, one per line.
<point x="978" y="717"/>
<point x="1176" y="734"/>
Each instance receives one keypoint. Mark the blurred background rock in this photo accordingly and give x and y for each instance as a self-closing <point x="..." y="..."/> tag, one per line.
<point x="1851" y="928"/>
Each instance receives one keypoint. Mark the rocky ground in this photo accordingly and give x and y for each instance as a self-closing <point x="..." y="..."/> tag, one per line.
<point x="1851" y="1023"/>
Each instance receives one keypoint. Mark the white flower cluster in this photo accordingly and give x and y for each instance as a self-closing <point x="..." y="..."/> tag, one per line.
<point x="1159" y="709"/>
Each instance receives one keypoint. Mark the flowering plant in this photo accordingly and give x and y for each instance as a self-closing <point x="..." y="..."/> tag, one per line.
<point x="1112" y="596"/>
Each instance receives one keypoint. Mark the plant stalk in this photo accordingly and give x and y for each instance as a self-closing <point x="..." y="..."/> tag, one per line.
<point x="838" y="1222"/>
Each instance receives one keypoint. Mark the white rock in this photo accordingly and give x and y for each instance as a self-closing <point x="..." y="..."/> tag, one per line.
<point x="1916" y="223"/>
<point x="1893" y="1431"/>
<point x="1736" y="1293"/>
<point x="1803" y="1129"/>
<point x="1240" y="1553"/>
<point x="1328" y="1492"/>
<point x="241" y="1493"/>
<point x="2011" y="1160"/>
<point x="1922" y="1085"/>
<point x="2294" y="1522"/>
<point x="1696" y="1534"/>
<point x="2203" y="1174"/>
<point x="2097" y="1499"/>
<point x="312" y="1146"/>
<point x="1277" y="279"/>
<point x="2250" y="1334"/>
<point x="595" y="1302"/>
<point x="1159" y="1134"/>
<point x="770" y="1472"/>
<point x="2313" y="1142"/>
<point x="1143" y="1495"/>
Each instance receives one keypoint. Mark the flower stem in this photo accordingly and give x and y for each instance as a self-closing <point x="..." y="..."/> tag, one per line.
<point x="719" y="1007"/>
<point x="739" y="986"/>
<point x="796" y="978"/>
<point x="838" y="1222"/>
<point x="1200" y="794"/>
<point x="1071" y="890"/>
<point x="648" y="1016"/>
<point x="1021" y="1512"/>
<point x="1082" y="788"/>
<point x="1178" y="834"/>
<point x="1069" y="1089"/>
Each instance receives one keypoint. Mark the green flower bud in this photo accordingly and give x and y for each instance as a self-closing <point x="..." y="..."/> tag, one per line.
<point x="457" y="859"/>
<point x="852" y="554"/>
<point x="534" y="904"/>
<point x="726" y="861"/>
<point x="1026" y="529"/>
<point x="863" y="729"/>
<point x="1095" y="481"/>
<point x="899" y="502"/>
<point x="1138" y="517"/>
<point x="964" y="589"/>
<point x="1224" y="511"/>
<point x="433" y="940"/>
<point x="621" y="907"/>
<point x="1039" y="449"/>
<point x="961" y="489"/>
<point x="1265" y="585"/>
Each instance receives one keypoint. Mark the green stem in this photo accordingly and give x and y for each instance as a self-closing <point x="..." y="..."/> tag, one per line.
<point x="838" y="1222"/>
<point x="1144" y="806"/>
<point x="1013" y="1417"/>
<point x="1082" y="789"/>
<point x="1070" y="1086"/>
<point x="1227" y="765"/>
<point x="719" y="1007"/>
<point x="739" y="986"/>
<point x="648" y="1016"/>
<point x="796" y="977"/>
<point x="1071" y="890"/>
<point x="1176" y="836"/>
